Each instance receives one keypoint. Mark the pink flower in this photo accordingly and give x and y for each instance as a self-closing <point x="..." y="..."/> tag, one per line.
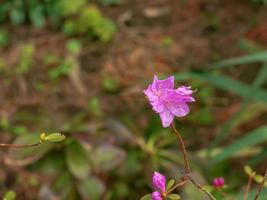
<point x="168" y="101"/>
<point x="156" y="196"/>
<point x="218" y="182"/>
<point x="159" y="184"/>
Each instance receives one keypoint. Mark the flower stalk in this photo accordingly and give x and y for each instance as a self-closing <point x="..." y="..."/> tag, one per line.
<point x="188" y="176"/>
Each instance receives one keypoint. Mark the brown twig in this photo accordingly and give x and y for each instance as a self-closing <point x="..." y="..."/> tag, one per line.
<point x="202" y="189"/>
<point x="188" y="174"/>
<point x="261" y="185"/>
<point x="182" y="182"/>
<point x="19" y="145"/>
<point x="250" y="177"/>
<point x="182" y="147"/>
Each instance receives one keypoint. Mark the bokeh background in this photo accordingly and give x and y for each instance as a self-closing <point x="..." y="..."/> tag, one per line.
<point x="79" y="67"/>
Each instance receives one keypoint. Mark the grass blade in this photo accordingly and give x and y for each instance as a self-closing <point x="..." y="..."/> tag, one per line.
<point x="252" y="138"/>
<point x="252" y="58"/>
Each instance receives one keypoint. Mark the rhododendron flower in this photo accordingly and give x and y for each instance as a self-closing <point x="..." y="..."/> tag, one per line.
<point x="218" y="182"/>
<point x="159" y="184"/>
<point x="168" y="101"/>
<point x="156" y="196"/>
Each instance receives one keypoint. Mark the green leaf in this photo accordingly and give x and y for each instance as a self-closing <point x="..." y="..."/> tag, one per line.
<point x="91" y="187"/>
<point x="4" y="38"/>
<point x="259" y="178"/>
<point x="105" y="30"/>
<point x="170" y="184"/>
<point x="10" y="195"/>
<point x="173" y="196"/>
<point x="254" y="137"/>
<point x="37" y="17"/>
<point x="248" y="170"/>
<point x="77" y="160"/>
<point x="25" y="156"/>
<point x="234" y="119"/>
<point x="74" y="46"/>
<point x="54" y="137"/>
<point x="17" y="16"/>
<point x="107" y="157"/>
<point x="146" y="197"/>
<point x="257" y="57"/>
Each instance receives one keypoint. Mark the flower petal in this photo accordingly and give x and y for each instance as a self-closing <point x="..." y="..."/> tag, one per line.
<point x="166" y="118"/>
<point x="184" y="90"/>
<point x="159" y="182"/>
<point x="156" y="196"/>
<point x="163" y="84"/>
<point x="179" y="109"/>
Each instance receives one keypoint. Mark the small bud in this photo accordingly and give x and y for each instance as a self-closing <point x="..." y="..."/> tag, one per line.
<point x="218" y="182"/>
<point x="159" y="182"/>
<point x="53" y="137"/>
<point x="42" y="137"/>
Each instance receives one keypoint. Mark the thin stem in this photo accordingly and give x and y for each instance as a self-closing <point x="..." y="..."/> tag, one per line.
<point x="177" y="185"/>
<point x="182" y="147"/>
<point x="20" y="145"/>
<point x="188" y="174"/>
<point x="261" y="185"/>
<point x="250" y="177"/>
<point x="202" y="189"/>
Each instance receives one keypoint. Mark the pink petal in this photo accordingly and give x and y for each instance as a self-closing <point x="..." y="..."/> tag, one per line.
<point x="166" y="118"/>
<point x="179" y="109"/>
<point x="163" y="84"/>
<point x="184" y="90"/>
<point x="156" y="196"/>
<point x="159" y="182"/>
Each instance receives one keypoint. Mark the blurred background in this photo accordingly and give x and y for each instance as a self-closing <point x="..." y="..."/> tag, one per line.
<point x="79" y="67"/>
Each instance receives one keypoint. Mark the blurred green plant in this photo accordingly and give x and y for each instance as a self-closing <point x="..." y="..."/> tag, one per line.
<point x="4" y="38"/>
<point x="90" y="22"/>
<point x="110" y="2"/>
<point x="75" y="18"/>
<point x="26" y="59"/>
<point x="10" y="195"/>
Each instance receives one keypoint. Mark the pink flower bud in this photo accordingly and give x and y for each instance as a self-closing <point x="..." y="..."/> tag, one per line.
<point x="159" y="182"/>
<point x="218" y="182"/>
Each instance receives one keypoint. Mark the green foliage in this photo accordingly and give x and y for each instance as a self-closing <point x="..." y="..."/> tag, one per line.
<point x="250" y="139"/>
<point x="74" y="46"/>
<point x="95" y="107"/>
<point x="70" y="8"/>
<point x="26" y="59"/>
<point x="91" y="187"/>
<point x="91" y="22"/>
<point x="75" y="18"/>
<point x="4" y="38"/>
<point x="62" y="70"/>
<point x="146" y="197"/>
<point x="110" y="2"/>
<point x="173" y="196"/>
<point x="256" y="177"/>
<point x="169" y="184"/>
<point x="110" y="85"/>
<point x="259" y="1"/>
<point x="255" y="57"/>
<point x="77" y="160"/>
<point x="167" y="41"/>
<point x="10" y="195"/>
